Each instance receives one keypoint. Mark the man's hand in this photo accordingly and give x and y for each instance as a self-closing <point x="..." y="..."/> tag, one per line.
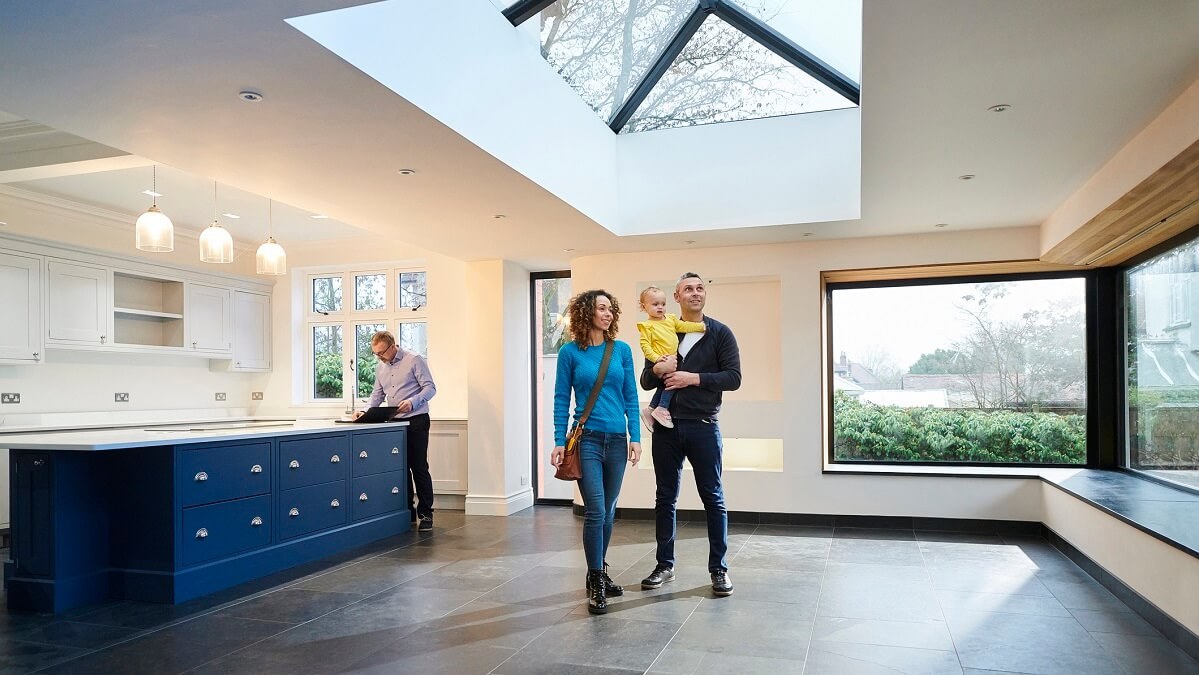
<point x="680" y="379"/>
<point x="668" y="364"/>
<point x="358" y="413"/>
<point x="404" y="406"/>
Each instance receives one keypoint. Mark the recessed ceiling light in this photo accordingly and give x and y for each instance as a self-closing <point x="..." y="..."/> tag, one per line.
<point x="405" y="172"/>
<point x="499" y="216"/>
<point x="941" y="225"/>
<point x="567" y="250"/>
<point x="231" y="215"/>
<point x="318" y="216"/>
<point x="151" y="193"/>
<point x="966" y="176"/>
<point x="250" y="96"/>
<point x="3" y="223"/>
<point x="689" y="242"/>
<point x="1001" y="107"/>
<point x="807" y="234"/>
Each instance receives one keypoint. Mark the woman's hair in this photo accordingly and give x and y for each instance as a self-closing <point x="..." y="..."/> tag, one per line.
<point x="582" y="311"/>
<point x="646" y="293"/>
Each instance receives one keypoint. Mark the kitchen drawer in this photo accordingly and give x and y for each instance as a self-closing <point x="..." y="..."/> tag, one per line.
<point x="217" y="474"/>
<point x="379" y="452"/>
<point x="380" y="493"/>
<point x="311" y="461"/>
<point x="312" y="508"/>
<point x="218" y="530"/>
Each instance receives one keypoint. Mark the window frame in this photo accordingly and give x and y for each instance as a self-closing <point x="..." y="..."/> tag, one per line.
<point x="349" y="318"/>
<point x="1097" y="424"/>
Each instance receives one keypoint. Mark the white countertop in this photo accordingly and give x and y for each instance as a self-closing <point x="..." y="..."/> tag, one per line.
<point x="179" y="433"/>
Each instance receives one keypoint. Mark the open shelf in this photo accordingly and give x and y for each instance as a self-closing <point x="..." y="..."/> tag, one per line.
<point x="128" y="311"/>
<point x="147" y="311"/>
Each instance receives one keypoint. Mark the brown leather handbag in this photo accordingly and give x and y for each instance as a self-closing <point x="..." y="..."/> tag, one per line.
<point x="571" y="468"/>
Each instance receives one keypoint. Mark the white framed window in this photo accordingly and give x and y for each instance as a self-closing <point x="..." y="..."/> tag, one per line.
<point x="343" y="309"/>
<point x="1180" y="301"/>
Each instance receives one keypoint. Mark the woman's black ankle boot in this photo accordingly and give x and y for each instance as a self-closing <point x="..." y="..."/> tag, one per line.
<point x="597" y="597"/>
<point x="613" y="590"/>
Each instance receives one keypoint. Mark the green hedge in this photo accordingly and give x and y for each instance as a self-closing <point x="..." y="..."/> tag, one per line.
<point x="864" y="431"/>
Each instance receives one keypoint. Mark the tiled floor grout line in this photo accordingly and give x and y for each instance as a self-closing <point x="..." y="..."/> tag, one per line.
<point x="819" y="594"/>
<point x="940" y="605"/>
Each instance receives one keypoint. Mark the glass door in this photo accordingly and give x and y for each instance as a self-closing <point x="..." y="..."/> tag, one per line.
<point x="550" y="296"/>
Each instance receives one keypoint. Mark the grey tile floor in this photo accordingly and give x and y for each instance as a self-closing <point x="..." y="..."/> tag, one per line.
<point x="505" y="596"/>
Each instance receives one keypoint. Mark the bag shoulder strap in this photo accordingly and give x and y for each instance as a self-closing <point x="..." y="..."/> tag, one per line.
<point x="599" y="383"/>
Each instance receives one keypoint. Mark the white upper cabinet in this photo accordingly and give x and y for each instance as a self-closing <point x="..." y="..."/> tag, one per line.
<point x="21" y="329"/>
<point x="251" y="331"/>
<point x="79" y="301"/>
<point x="209" y="318"/>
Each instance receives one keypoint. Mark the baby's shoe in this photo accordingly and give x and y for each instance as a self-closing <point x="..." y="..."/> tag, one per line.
<point x="647" y="418"/>
<point x="662" y="415"/>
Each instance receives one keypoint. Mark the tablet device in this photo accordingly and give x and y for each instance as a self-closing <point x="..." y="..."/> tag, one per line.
<point x="380" y="414"/>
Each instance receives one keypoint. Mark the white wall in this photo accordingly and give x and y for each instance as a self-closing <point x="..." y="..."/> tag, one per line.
<point x="795" y="412"/>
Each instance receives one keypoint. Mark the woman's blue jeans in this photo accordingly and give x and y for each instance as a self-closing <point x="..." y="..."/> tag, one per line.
<point x="602" y="457"/>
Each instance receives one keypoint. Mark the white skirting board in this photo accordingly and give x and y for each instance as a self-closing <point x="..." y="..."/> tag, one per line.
<point x="499" y="505"/>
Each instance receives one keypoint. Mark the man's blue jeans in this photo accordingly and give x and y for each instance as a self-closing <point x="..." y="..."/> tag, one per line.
<point x="602" y="456"/>
<point x="699" y="443"/>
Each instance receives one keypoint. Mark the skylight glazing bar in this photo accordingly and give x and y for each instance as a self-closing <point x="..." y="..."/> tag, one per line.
<point x="788" y="50"/>
<point x="655" y="73"/>
<point x="523" y="10"/>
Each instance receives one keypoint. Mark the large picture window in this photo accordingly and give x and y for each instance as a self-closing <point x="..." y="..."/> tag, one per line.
<point x="982" y="371"/>
<point x="1162" y="366"/>
<point x="339" y="331"/>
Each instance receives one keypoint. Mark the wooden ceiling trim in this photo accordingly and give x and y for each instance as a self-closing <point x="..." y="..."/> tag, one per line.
<point x="1164" y="204"/>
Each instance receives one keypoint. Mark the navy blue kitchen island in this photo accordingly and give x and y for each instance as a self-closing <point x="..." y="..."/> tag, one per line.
<point x="169" y="514"/>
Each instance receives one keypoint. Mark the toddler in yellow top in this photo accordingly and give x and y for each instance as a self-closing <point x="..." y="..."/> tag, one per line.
<point x="660" y="341"/>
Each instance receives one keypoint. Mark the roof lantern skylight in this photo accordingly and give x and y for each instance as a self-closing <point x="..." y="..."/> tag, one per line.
<point x="656" y="64"/>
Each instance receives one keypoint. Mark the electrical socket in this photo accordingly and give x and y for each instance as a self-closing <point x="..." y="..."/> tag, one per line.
<point x="256" y="396"/>
<point x="220" y="396"/>
<point x="524" y="480"/>
<point x="10" y="398"/>
<point x="121" y="397"/>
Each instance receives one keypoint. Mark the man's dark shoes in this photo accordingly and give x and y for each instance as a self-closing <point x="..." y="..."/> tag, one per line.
<point x="662" y="574"/>
<point x="426" y="525"/>
<point x="597" y="597"/>
<point x="612" y="589"/>
<point x="722" y="585"/>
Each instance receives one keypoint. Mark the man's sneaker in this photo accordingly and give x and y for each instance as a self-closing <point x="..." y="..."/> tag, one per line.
<point x="662" y="415"/>
<point x="722" y="585"/>
<point x="426" y="525"/>
<point x="662" y="574"/>
<point x="647" y="420"/>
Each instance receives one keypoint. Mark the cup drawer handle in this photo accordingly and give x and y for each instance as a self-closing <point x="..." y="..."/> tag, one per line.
<point x="334" y="459"/>
<point x="256" y="521"/>
<point x="293" y="512"/>
<point x="395" y="451"/>
<point x="362" y="455"/>
<point x="294" y="464"/>
<point x="202" y="533"/>
<point x="362" y="497"/>
<point x="395" y="490"/>
<point x="334" y="503"/>
<point x="201" y="477"/>
<point x="257" y="468"/>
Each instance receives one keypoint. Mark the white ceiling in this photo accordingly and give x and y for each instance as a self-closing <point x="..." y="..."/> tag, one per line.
<point x="160" y="80"/>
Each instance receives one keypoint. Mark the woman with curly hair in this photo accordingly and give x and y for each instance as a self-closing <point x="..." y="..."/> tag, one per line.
<point x="611" y="436"/>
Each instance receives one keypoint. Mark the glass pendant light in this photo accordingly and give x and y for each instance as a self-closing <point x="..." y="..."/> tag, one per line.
<point x="271" y="258"/>
<point x="216" y="244"/>
<point x="154" y="231"/>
